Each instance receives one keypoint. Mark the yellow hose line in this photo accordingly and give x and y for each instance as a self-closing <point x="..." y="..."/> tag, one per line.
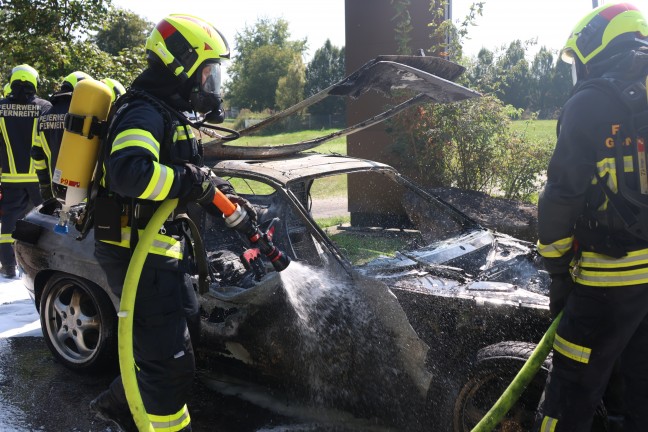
<point x="126" y="308"/>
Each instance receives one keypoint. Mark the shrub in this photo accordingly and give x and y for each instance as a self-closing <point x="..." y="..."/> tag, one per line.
<point x="469" y="145"/>
<point x="523" y="166"/>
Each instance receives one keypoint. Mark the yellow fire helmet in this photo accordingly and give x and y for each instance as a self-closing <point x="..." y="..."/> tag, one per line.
<point x="73" y="79"/>
<point x="26" y="73"/>
<point x="115" y="86"/>
<point x="6" y="90"/>
<point x="184" y="42"/>
<point x="609" y="25"/>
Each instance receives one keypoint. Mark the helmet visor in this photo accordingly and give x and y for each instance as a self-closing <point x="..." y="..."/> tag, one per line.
<point x="210" y="78"/>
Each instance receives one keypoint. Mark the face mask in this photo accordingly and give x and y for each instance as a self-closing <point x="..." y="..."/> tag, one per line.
<point x="206" y="98"/>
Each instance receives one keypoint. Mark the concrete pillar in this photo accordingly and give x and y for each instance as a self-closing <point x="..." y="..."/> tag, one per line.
<point x="370" y="32"/>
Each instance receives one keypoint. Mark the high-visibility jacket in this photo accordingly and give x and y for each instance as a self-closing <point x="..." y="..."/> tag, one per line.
<point x="18" y="124"/>
<point x="144" y="164"/>
<point x="145" y="152"/>
<point x="48" y="136"/>
<point x="578" y="227"/>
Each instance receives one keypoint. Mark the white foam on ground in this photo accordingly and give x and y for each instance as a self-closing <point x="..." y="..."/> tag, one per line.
<point x="18" y="315"/>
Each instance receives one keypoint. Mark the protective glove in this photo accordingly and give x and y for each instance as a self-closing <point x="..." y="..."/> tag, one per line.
<point x="45" y="191"/>
<point x="205" y="183"/>
<point x="228" y="190"/>
<point x="559" y="289"/>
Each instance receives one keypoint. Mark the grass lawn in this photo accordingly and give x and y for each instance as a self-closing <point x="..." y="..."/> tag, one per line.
<point x="337" y="145"/>
<point x="360" y="249"/>
<point x="532" y="130"/>
<point x="536" y="130"/>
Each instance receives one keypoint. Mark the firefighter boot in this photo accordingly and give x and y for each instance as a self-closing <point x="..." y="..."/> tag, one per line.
<point x="107" y="408"/>
<point x="8" y="272"/>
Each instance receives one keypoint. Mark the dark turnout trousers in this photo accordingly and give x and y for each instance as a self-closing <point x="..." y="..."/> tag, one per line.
<point x="17" y="200"/>
<point x="600" y="327"/>
<point x="162" y="347"/>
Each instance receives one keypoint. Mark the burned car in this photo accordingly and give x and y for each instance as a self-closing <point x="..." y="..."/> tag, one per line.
<point x="397" y="309"/>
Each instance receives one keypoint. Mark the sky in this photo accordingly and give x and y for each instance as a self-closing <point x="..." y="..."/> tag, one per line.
<point x="550" y="21"/>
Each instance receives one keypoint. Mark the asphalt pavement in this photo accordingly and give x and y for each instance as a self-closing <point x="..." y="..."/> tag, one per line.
<point x="38" y="394"/>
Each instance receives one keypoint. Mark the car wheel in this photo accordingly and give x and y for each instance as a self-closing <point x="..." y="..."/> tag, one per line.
<point x="79" y="323"/>
<point x="495" y="368"/>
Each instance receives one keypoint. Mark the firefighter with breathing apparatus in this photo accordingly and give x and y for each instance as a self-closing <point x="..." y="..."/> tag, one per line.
<point x="593" y="224"/>
<point x="48" y="136"/>
<point x="151" y="155"/>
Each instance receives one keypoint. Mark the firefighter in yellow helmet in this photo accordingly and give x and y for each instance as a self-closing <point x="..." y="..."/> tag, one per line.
<point x="18" y="119"/>
<point x="152" y="155"/>
<point x="593" y="224"/>
<point x="48" y="137"/>
<point x="115" y="86"/>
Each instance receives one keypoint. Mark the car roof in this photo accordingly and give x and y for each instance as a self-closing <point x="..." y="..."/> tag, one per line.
<point x="298" y="167"/>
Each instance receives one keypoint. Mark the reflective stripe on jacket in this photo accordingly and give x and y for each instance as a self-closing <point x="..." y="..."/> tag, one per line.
<point x="591" y="127"/>
<point x="154" y="184"/>
<point x="162" y="244"/>
<point x="18" y="125"/>
<point x="601" y="270"/>
<point x="141" y="166"/>
<point x="47" y="139"/>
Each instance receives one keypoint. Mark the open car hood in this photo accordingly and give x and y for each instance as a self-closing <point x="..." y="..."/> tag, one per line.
<point x="429" y="79"/>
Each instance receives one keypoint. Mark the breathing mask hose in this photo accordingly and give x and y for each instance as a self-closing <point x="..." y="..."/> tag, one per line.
<point x="126" y="314"/>
<point x="520" y="382"/>
<point x="238" y="219"/>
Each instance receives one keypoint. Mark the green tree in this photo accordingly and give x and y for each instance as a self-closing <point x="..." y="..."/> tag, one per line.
<point x="122" y="29"/>
<point x="63" y="20"/>
<point x="561" y="87"/>
<point x="290" y="88"/>
<point x="54" y="36"/>
<point x="325" y="69"/>
<point x="513" y="70"/>
<point x="265" y="55"/>
<point x="540" y="80"/>
<point x="481" y="73"/>
<point x="36" y="31"/>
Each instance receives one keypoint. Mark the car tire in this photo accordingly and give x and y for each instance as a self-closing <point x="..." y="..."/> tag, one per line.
<point x="79" y="324"/>
<point x="494" y="369"/>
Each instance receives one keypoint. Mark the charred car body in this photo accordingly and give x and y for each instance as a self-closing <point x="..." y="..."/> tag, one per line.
<point x="412" y="318"/>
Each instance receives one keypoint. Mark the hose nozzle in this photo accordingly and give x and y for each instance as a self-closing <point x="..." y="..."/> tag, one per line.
<point x="238" y="219"/>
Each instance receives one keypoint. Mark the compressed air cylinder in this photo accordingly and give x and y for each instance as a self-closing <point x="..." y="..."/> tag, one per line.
<point x="77" y="157"/>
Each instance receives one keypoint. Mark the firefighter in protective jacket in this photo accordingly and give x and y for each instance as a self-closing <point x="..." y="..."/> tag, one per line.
<point x="590" y="218"/>
<point x="19" y="114"/>
<point x="47" y="140"/>
<point x="152" y="155"/>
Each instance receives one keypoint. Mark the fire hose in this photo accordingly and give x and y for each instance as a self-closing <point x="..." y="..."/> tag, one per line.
<point x="520" y="382"/>
<point x="126" y="315"/>
<point x="235" y="218"/>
